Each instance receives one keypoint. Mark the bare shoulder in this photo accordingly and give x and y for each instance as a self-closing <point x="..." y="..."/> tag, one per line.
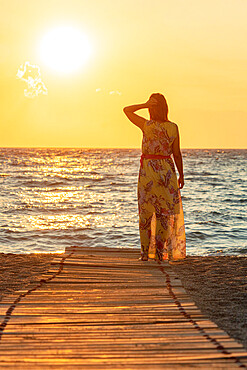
<point x="173" y="127"/>
<point x="173" y="124"/>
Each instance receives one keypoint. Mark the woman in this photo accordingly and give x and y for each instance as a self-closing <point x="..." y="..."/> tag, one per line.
<point x="161" y="220"/>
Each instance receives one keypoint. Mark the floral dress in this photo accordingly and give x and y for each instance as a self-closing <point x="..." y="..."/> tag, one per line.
<point x="161" y="219"/>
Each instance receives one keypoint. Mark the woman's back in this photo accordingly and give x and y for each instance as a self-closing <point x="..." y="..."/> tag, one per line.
<point x="158" y="137"/>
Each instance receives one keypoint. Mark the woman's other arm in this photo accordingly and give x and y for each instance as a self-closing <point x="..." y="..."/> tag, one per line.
<point x="133" y="117"/>
<point x="178" y="159"/>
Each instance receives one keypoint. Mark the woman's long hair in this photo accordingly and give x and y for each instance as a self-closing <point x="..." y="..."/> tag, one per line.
<point x="159" y="112"/>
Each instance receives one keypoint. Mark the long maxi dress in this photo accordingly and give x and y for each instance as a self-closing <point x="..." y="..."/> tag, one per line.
<point x="161" y="219"/>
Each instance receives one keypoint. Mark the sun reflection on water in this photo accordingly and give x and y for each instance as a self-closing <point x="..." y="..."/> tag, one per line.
<point x="53" y="198"/>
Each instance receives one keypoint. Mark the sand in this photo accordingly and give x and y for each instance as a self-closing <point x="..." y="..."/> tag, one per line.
<point x="18" y="270"/>
<point x="218" y="285"/>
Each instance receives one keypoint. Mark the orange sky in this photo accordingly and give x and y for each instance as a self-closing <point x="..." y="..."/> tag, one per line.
<point x="192" y="51"/>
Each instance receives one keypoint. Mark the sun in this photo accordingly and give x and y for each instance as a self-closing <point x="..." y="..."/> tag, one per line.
<point x="64" y="49"/>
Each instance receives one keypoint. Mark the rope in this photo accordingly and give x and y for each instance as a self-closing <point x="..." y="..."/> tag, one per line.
<point x="183" y="312"/>
<point x="11" y="308"/>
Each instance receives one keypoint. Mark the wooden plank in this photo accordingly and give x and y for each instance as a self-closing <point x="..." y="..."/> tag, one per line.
<point x="103" y="308"/>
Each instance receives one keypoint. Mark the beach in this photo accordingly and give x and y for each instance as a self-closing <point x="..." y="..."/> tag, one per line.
<point x="218" y="287"/>
<point x="17" y="271"/>
<point x="216" y="284"/>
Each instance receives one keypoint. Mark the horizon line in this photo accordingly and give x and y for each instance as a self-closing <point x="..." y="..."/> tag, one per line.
<point x="127" y="148"/>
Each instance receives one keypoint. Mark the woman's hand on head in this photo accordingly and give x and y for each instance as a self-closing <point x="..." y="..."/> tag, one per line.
<point x="135" y="118"/>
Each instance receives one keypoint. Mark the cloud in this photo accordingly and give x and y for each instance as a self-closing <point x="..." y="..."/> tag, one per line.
<point x="112" y="92"/>
<point x="30" y="73"/>
<point x="115" y="92"/>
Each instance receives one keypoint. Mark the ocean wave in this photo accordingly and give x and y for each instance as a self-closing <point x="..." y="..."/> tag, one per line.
<point x="215" y="213"/>
<point x="196" y="235"/>
<point x="243" y="200"/>
<point x="44" y="183"/>
<point x="207" y="222"/>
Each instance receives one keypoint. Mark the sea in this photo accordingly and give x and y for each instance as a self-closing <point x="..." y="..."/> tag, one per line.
<point x="51" y="198"/>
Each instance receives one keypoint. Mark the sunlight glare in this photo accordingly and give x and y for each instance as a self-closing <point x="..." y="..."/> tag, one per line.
<point x="64" y="49"/>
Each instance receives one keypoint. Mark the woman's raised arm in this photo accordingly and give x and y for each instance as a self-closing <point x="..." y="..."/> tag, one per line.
<point x="133" y="117"/>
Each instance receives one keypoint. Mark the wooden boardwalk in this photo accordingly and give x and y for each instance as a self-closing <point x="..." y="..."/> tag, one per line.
<point x="104" y="309"/>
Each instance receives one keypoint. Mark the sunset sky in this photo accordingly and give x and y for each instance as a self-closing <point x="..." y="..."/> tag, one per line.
<point x="192" y="51"/>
